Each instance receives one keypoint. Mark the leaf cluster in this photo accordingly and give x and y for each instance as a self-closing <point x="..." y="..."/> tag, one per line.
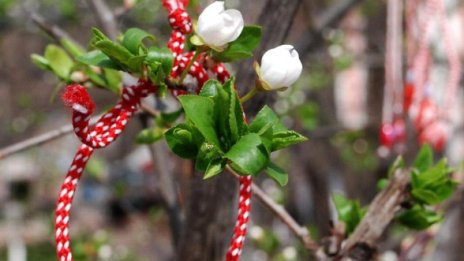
<point x="216" y="134"/>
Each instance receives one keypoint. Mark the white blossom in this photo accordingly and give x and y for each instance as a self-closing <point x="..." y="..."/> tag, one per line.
<point x="217" y="26"/>
<point x="280" y="67"/>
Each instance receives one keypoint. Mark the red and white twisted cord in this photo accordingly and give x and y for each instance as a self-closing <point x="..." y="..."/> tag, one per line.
<point x="105" y="131"/>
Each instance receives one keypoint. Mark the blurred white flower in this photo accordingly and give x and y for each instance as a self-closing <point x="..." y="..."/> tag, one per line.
<point x="217" y="26"/>
<point x="280" y="67"/>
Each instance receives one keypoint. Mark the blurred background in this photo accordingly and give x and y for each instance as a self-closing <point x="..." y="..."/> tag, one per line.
<point x="119" y="212"/>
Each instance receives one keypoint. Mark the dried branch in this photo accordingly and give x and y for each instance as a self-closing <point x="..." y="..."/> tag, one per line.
<point x="39" y="140"/>
<point x="105" y="17"/>
<point x="361" y="244"/>
<point x="300" y="231"/>
<point x="51" y="30"/>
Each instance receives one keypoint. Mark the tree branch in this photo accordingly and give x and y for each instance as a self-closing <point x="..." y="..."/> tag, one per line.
<point x="361" y="244"/>
<point x="105" y="17"/>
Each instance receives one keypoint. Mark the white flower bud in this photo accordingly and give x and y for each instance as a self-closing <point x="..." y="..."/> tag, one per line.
<point x="280" y="67"/>
<point x="217" y="27"/>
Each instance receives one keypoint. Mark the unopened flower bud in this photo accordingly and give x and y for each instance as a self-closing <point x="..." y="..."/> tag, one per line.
<point x="280" y="68"/>
<point x="217" y="26"/>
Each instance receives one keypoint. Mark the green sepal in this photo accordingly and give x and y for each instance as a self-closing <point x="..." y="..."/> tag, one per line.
<point x="242" y="47"/>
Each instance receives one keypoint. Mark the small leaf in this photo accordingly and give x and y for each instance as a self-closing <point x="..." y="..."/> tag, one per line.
<point x="276" y="173"/>
<point x="115" y="52"/>
<point x="98" y="58"/>
<point x="113" y="79"/>
<point x="59" y="61"/>
<point x="161" y="56"/>
<point x="241" y="48"/>
<point x="424" y="158"/>
<point x="263" y="118"/>
<point x="135" y="63"/>
<point x="71" y="47"/>
<point x="167" y="118"/>
<point x="349" y="211"/>
<point x="41" y="62"/>
<point x="249" y="155"/>
<point x="200" y="110"/>
<point x="182" y="141"/>
<point x="418" y="218"/>
<point x="98" y="35"/>
<point x="149" y="136"/>
<point x="283" y="139"/>
<point x="382" y="183"/>
<point x="133" y="39"/>
<point x="207" y="154"/>
<point x="210" y="88"/>
<point x="215" y="167"/>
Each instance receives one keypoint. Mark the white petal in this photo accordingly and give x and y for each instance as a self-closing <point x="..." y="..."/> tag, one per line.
<point x="212" y="9"/>
<point x="281" y="66"/>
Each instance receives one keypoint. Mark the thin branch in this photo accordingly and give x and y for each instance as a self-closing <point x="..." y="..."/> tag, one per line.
<point x="53" y="31"/>
<point x="55" y="134"/>
<point x="300" y="231"/>
<point x="361" y="244"/>
<point x="39" y="140"/>
<point x="105" y="17"/>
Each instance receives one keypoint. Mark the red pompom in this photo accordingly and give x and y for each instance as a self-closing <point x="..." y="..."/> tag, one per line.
<point x="77" y="97"/>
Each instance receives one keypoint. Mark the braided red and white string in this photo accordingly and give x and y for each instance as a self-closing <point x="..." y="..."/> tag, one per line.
<point x="103" y="133"/>
<point x="112" y="123"/>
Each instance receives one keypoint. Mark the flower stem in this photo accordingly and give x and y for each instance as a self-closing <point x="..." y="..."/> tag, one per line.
<point x="249" y="95"/>
<point x="187" y="68"/>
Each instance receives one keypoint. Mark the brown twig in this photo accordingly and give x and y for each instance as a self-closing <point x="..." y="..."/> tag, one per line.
<point x="51" y="30"/>
<point x="361" y="244"/>
<point x="55" y="134"/>
<point x="39" y="140"/>
<point x="300" y="231"/>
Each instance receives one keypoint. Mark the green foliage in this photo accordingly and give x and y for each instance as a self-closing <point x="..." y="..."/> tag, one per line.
<point x="419" y="218"/>
<point x="59" y="61"/>
<point x="133" y="40"/>
<point x="149" y="136"/>
<point x="225" y="138"/>
<point x="430" y="185"/>
<point x="349" y="211"/>
<point x="241" y="48"/>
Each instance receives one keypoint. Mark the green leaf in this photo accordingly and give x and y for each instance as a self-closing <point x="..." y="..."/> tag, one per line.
<point x="210" y="88"/>
<point x="276" y="173"/>
<point x="41" y="62"/>
<point x="206" y="155"/>
<point x="98" y="58"/>
<point x="133" y="39"/>
<point x="241" y="48"/>
<point x="418" y="218"/>
<point x="215" y="167"/>
<point x="167" y="118"/>
<point x="424" y="158"/>
<point x="71" y="47"/>
<point x="98" y="35"/>
<point x="59" y="61"/>
<point x="200" y="111"/>
<point x="135" y="63"/>
<point x="263" y="118"/>
<point x="382" y="183"/>
<point x="183" y="141"/>
<point x="349" y="211"/>
<point x="115" y="52"/>
<point x="162" y="56"/>
<point x="283" y="139"/>
<point x="249" y="155"/>
<point x="149" y="136"/>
